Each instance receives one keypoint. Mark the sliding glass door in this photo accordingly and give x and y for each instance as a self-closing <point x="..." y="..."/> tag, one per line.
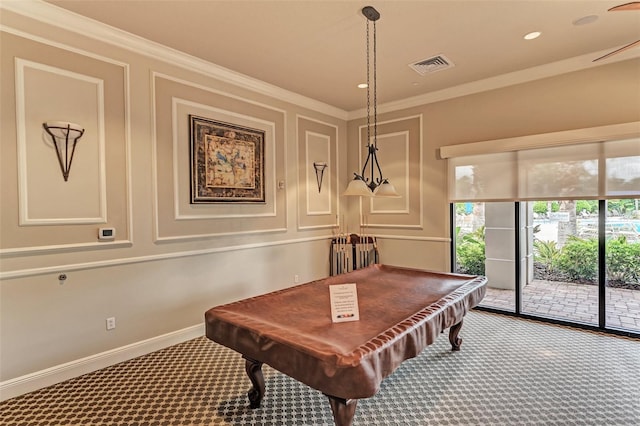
<point x="484" y="245"/>
<point x="564" y="282"/>
<point x="553" y="223"/>
<point x="622" y="235"/>
<point x="575" y="261"/>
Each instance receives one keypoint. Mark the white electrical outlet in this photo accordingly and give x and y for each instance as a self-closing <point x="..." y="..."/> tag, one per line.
<point x="296" y="278"/>
<point x="111" y="323"/>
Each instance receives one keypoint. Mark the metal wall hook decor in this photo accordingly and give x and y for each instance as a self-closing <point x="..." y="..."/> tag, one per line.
<point x="65" y="138"/>
<point x="319" y="166"/>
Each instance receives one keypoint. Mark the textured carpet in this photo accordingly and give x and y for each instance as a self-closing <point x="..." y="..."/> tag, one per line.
<point x="509" y="372"/>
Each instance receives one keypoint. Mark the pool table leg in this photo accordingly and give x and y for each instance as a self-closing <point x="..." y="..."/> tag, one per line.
<point x="454" y="339"/>
<point x="343" y="410"/>
<point x="254" y="371"/>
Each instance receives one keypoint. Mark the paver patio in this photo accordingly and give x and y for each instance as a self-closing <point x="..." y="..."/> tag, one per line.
<point x="574" y="302"/>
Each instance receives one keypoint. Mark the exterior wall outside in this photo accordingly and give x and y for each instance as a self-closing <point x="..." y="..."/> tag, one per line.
<point x="526" y="242"/>
<point x="500" y="248"/>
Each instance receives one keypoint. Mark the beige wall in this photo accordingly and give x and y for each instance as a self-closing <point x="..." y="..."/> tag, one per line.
<point x="171" y="259"/>
<point x="590" y="98"/>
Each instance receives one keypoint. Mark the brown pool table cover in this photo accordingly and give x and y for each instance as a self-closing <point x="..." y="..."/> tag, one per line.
<point x="402" y="311"/>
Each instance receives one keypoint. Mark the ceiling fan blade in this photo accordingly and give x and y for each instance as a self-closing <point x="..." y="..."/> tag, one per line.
<point x="634" y="5"/>
<point x="622" y="49"/>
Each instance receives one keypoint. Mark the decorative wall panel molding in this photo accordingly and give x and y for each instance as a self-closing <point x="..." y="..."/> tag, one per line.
<point x="400" y="155"/>
<point x="51" y="82"/>
<point x="317" y="142"/>
<point x="176" y="219"/>
<point x="181" y="109"/>
<point x="46" y="93"/>
<point x="66" y="268"/>
<point x="394" y="149"/>
<point x="317" y="185"/>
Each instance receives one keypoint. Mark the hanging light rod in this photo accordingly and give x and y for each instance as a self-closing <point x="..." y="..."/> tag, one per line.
<point x="371" y="186"/>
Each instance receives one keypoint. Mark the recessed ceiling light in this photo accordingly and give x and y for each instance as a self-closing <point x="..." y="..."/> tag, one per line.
<point x="586" y="20"/>
<point x="532" y="35"/>
<point x="363" y="86"/>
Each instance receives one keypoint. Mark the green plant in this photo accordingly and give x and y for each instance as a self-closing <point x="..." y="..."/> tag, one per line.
<point x="589" y="206"/>
<point x="540" y="207"/>
<point x="470" y="252"/>
<point x="623" y="261"/>
<point x="578" y="259"/>
<point x="475" y="237"/>
<point x="547" y="254"/>
<point x="620" y="206"/>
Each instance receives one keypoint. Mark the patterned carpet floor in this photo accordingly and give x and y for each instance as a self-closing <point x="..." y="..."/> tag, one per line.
<point x="509" y="372"/>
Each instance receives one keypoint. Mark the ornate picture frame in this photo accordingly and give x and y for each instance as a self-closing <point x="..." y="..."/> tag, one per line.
<point x="227" y="162"/>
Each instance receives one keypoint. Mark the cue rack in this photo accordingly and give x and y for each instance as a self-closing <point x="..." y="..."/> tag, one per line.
<point x="352" y="251"/>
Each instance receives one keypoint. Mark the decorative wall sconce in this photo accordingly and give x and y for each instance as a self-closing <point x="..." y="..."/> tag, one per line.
<point x="64" y="134"/>
<point x="319" y="166"/>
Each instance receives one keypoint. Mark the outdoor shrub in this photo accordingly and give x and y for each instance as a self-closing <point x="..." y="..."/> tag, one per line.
<point x="623" y="261"/>
<point x="540" y="207"/>
<point x="620" y="206"/>
<point x="471" y="258"/>
<point x="589" y="206"/>
<point x="547" y="254"/>
<point x="470" y="253"/>
<point x="579" y="259"/>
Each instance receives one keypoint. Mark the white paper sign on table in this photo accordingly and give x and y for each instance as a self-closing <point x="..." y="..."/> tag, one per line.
<point x="344" y="302"/>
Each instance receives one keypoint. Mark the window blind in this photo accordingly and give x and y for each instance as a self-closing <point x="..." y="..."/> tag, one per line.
<point x="595" y="170"/>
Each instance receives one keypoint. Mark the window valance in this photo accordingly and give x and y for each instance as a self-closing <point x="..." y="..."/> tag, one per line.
<point x="601" y="162"/>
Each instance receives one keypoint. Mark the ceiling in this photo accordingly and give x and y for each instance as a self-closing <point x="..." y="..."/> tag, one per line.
<point x="317" y="48"/>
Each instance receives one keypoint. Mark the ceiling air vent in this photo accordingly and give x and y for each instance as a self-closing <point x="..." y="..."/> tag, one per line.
<point x="436" y="63"/>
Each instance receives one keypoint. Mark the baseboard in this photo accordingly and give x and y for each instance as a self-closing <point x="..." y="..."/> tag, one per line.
<point x="59" y="373"/>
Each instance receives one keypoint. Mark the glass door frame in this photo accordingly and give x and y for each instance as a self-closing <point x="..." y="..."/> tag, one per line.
<point x="602" y="274"/>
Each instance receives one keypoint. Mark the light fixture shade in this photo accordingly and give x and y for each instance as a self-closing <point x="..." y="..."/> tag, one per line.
<point x="357" y="187"/>
<point x="386" y="190"/>
<point x="60" y="129"/>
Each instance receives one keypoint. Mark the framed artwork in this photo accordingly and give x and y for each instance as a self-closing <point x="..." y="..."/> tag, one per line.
<point x="227" y="162"/>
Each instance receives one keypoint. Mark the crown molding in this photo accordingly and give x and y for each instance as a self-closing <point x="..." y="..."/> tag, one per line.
<point x="564" y="66"/>
<point x="67" y="20"/>
<point x="70" y="21"/>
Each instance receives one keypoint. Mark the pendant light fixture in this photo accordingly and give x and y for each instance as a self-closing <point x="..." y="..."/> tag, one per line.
<point x="370" y="182"/>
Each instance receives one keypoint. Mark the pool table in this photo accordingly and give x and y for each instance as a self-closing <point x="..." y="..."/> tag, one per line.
<point x="402" y="310"/>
